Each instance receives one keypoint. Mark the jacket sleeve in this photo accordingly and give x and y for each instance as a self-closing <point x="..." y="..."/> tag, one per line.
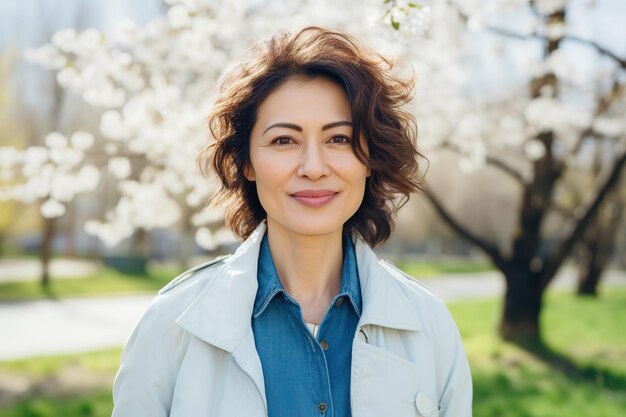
<point x="145" y="381"/>
<point x="454" y="375"/>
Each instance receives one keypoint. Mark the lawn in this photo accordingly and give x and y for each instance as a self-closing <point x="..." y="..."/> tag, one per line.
<point x="433" y="269"/>
<point x="110" y="282"/>
<point x="580" y="372"/>
<point x="106" y="282"/>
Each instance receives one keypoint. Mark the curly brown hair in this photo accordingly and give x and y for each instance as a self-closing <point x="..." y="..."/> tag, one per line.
<point x="376" y="97"/>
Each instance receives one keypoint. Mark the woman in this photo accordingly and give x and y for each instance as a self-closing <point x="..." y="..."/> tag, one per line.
<point x="315" y="156"/>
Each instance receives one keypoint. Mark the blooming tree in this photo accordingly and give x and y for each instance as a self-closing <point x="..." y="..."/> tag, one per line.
<point x="496" y="79"/>
<point x="562" y="96"/>
<point x="154" y="85"/>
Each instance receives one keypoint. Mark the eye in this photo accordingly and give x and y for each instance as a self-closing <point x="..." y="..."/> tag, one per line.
<point x="340" y="139"/>
<point x="282" y="140"/>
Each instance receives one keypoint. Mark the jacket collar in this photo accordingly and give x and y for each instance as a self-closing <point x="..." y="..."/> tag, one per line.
<point x="221" y="313"/>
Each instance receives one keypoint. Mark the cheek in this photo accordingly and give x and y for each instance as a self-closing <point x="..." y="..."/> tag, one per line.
<point x="354" y="169"/>
<point x="268" y="170"/>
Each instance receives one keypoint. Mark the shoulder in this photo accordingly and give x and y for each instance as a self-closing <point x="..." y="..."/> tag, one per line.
<point x="178" y="294"/>
<point x="430" y="308"/>
<point x="197" y="273"/>
<point x="413" y="288"/>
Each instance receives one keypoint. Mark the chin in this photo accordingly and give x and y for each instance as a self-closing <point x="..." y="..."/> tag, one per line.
<point x="312" y="227"/>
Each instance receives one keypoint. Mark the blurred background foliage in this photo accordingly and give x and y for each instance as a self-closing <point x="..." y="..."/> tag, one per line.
<point x="520" y="106"/>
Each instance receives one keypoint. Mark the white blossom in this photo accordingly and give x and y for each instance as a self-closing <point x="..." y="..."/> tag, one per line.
<point x="548" y="7"/>
<point x="207" y="216"/>
<point x="534" y="149"/>
<point x="63" y="188"/>
<point x="47" y="56"/>
<point x="120" y="167"/>
<point x="204" y="238"/>
<point x="9" y="157"/>
<point x="178" y="16"/>
<point x="112" y="126"/>
<point x="55" y="140"/>
<point x="82" y="140"/>
<point x="88" y="178"/>
<point x="155" y="83"/>
<point x="223" y="236"/>
<point x="51" y="209"/>
<point x="609" y="126"/>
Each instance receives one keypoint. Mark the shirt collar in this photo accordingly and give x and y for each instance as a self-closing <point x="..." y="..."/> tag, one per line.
<point x="220" y="313"/>
<point x="270" y="285"/>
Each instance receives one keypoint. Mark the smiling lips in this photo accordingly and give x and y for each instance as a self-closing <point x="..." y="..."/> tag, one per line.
<point x="314" y="198"/>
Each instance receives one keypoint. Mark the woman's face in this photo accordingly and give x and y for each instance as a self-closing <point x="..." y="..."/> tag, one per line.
<point x="308" y="179"/>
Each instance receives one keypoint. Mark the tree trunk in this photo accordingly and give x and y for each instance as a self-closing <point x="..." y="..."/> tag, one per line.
<point x="522" y="305"/>
<point x="185" y="249"/>
<point x="45" y="252"/>
<point x="598" y="244"/>
<point x="70" y="231"/>
<point x="589" y="277"/>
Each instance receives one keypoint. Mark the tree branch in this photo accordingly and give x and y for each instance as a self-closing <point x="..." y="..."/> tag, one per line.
<point x="599" y="48"/>
<point x="490" y="249"/>
<point x="576" y="225"/>
<point x="492" y="161"/>
<point x="510" y="34"/>
<point x="603" y="105"/>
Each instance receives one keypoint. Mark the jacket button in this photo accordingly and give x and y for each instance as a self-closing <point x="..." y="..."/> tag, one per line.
<point x="322" y="407"/>
<point x="423" y="404"/>
<point x="324" y="344"/>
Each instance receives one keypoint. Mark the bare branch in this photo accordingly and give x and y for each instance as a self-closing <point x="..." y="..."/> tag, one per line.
<point x="492" y="161"/>
<point x="603" y="105"/>
<point x="576" y="226"/>
<point x="490" y="249"/>
<point x="599" y="48"/>
<point x="536" y="36"/>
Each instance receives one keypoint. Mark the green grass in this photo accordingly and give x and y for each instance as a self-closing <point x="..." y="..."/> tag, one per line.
<point x="580" y="372"/>
<point x="433" y="269"/>
<point x="93" y="404"/>
<point x="105" y="282"/>
<point x="55" y="372"/>
<point x="110" y="282"/>
<point x="105" y="361"/>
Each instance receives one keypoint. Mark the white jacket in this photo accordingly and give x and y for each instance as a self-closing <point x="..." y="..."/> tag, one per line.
<point x="193" y="353"/>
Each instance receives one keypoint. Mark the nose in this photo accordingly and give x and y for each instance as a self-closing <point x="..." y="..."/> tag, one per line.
<point x="313" y="163"/>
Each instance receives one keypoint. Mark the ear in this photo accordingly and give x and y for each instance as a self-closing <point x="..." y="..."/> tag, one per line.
<point x="369" y="172"/>
<point x="248" y="172"/>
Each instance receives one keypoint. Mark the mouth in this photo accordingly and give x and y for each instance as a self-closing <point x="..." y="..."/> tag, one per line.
<point x="314" y="198"/>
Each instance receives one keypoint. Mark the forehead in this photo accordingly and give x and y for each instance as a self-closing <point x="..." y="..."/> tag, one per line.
<point x="305" y="100"/>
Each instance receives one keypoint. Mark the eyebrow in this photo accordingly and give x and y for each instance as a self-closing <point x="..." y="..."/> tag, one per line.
<point x="299" y="129"/>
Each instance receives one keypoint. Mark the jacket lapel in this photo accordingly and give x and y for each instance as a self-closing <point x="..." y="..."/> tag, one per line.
<point x="221" y="314"/>
<point x="384" y="301"/>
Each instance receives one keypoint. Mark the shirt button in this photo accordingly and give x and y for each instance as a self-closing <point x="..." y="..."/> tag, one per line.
<point x="324" y="344"/>
<point x="322" y="407"/>
<point x="339" y="302"/>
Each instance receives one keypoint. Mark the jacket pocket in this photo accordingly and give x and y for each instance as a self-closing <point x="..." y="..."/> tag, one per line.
<point x="384" y="384"/>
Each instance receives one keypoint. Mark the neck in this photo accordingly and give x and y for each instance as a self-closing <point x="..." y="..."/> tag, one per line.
<point x="309" y="267"/>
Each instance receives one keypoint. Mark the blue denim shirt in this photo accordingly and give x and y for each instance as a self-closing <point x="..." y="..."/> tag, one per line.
<point x="305" y="376"/>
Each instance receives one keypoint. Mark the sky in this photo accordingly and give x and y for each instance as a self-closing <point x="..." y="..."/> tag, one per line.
<point x="27" y="23"/>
